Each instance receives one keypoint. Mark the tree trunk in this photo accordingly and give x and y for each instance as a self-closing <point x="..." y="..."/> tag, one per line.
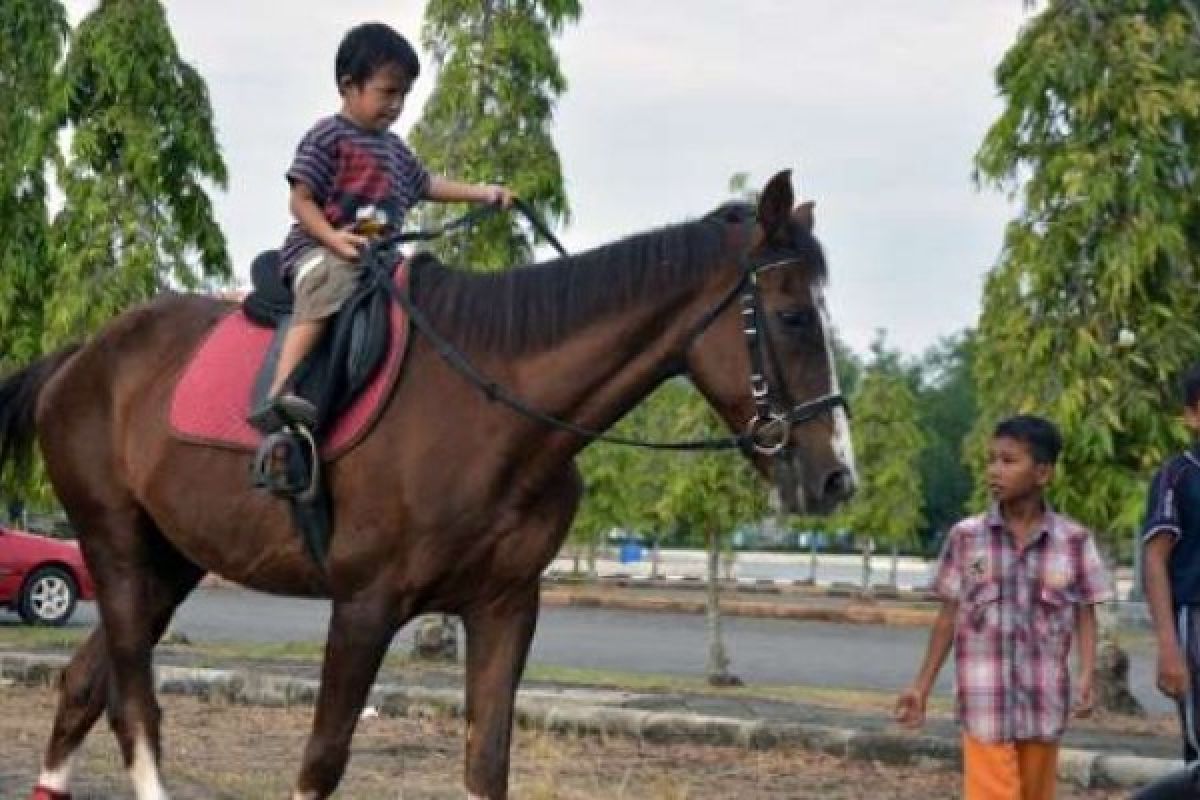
<point x="436" y="638"/>
<point x="893" y="579"/>
<point x="812" y="557"/>
<point x="655" y="560"/>
<point x="866" y="563"/>
<point x="592" y="572"/>
<point x="1112" y="662"/>
<point x="718" y="659"/>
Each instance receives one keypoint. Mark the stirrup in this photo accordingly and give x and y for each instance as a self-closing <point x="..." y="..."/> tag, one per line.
<point x="283" y="410"/>
<point x="287" y="464"/>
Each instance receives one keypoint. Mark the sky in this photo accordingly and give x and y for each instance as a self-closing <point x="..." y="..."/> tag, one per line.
<point x="877" y="105"/>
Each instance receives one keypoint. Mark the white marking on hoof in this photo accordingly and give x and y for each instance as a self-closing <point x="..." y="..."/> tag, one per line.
<point x="58" y="780"/>
<point x="298" y="795"/>
<point x="472" y="796"/>
<point x="144" y="773"/>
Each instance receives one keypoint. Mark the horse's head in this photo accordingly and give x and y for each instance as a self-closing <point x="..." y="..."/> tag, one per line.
<point x="764" y="359"/>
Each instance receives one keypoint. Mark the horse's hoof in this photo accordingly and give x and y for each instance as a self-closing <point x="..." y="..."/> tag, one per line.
<point x="42" y="793"/>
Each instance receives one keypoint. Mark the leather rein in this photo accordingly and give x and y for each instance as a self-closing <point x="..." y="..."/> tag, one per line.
<point x="767" y="432"/>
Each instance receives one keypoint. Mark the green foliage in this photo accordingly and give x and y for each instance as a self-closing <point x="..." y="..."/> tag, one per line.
<point x="137" y="217"/>
<point x="1100" y="137"/>
<point x="947" y="411"/>
<point x="660" y="491"/>
<point x="489" y="117"/>
<point x="887" y="444"/>
<point x="32" y="36"/>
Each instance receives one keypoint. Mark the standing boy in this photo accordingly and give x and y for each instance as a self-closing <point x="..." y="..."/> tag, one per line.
<point x="1171" y="566"/>
<point x="1015" y="583"/>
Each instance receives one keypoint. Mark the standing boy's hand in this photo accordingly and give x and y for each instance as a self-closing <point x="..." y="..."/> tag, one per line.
<point x="1085" y="700"/>
<point x="910" y="708"/>
<point x="1172" y="672"/>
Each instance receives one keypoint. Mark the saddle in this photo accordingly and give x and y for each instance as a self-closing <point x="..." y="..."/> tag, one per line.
<point x="343" y="363"/>
<point x="349" y="377"/>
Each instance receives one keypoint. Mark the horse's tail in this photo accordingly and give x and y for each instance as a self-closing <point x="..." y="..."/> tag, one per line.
<point x="18" y="403"/>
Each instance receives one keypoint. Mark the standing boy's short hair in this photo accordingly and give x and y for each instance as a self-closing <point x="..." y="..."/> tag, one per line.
<point x="1038" y="434"/>
<point x="1189" y="386"/>
<point x="370" y="46"/>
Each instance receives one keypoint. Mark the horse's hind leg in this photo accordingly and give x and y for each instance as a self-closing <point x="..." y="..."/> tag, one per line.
<point x="82" y="688"/>
<point x="360" y="631"/>
<point x="83" y="684"/>
<point x="140" y="580"/>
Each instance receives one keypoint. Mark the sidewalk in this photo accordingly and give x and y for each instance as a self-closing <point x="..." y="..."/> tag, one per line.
<point x="1090" y="759"/>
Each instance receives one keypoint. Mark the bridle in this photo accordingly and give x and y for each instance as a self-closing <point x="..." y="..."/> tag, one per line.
<point x="772" y="412"/>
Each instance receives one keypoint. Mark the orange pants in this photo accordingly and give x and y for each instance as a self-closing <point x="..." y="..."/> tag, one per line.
<point x="1009" y="770"/>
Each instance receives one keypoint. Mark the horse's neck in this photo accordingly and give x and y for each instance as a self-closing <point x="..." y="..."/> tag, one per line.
<point x="598" y="373"/>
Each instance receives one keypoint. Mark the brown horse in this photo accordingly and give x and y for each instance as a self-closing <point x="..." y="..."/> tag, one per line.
<point x="453" y="503"/>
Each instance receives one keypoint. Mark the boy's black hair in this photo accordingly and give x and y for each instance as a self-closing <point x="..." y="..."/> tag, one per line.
<point x="1038" y="434"/>
<point x="1189" y="386"/>
<point x="370" y="46"/>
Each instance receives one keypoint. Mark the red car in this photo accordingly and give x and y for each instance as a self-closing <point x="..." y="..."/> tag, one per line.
<point x="41" y="578"/>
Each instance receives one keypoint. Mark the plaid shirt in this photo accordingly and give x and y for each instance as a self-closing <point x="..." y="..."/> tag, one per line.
<point x="1016" y="615"/>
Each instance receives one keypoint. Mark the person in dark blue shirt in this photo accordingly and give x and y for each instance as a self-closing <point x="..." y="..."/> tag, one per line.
<point x="1171" y="570"/>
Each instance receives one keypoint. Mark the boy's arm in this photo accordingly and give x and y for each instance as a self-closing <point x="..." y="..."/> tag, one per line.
<point x="444" y="190"/>
<point x="910" y="706"/>
<point x="1172" y="668"/>
<point x="1085" y="624"/>
<point x="344" y="244"/>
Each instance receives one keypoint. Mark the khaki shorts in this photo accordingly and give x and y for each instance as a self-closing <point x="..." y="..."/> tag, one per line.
<point x="321" y="284"/>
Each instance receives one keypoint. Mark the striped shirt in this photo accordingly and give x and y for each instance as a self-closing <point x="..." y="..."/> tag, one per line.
<point x="1016" y="615"/>
<point x="347" y="168"/>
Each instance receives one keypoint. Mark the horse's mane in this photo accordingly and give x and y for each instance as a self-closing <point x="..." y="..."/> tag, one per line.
<point x="530" y="308"/>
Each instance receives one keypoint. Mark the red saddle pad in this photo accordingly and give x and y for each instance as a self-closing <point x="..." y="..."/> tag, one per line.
<point x="212" y="399"/>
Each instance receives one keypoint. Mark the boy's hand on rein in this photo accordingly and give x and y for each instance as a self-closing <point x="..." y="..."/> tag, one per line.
<point x="346" y="245"/>
<point x="499" y="196"/>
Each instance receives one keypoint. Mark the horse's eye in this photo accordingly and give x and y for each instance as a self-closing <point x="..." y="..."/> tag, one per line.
<point x="798" y="319"/>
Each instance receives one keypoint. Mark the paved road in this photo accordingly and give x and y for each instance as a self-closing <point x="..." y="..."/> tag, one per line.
<point x="764" y="651"/>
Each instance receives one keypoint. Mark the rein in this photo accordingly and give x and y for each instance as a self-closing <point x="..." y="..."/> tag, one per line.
<point x="766" y="417"/>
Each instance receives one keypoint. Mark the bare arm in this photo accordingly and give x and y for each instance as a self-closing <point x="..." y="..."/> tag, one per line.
<point x="444" y="190"/>
<point x="1172" y="670"/>
<point x="306" y="211"/>
<point x="1085" y="624"/>
<point x="910" y="706"/>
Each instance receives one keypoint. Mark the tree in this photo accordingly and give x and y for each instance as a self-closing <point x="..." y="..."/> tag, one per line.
<point x="708" y="492"/>
<point x="887" y="443"/>
<point x="137" y="217"/>
<point x="489" y="116"/>
<point x="620" y="482"/>
<point x="947" y="411"/>
<point x="31" y="45"/>
<point x="1101" y="137"/>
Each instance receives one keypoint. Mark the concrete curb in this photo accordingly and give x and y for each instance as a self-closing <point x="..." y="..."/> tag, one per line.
<point x="853" y="614"/>
<point x="568" y="711"/>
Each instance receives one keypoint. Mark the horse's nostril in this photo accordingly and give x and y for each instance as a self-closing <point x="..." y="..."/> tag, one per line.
<point x="839" y="484"/>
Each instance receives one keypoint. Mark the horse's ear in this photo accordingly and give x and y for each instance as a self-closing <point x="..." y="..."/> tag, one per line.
<point x="775" y="203"/>
<point x="804" y="216"/>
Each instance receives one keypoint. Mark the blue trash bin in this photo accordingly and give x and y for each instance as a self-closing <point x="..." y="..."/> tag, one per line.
<point x="630" y="553"/>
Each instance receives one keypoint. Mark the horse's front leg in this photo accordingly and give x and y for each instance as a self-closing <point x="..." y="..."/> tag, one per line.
<point x="498" y="638"/>
<point x="360" y="631"/>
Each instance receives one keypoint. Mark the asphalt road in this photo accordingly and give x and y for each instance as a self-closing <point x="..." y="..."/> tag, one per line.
<point x="763" y="651"/>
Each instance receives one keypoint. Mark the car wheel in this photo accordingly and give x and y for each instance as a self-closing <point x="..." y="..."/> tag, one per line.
<point x="48" y="597"/>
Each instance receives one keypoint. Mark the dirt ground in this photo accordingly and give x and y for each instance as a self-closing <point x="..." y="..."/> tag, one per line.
<point x="221" y="752"/>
